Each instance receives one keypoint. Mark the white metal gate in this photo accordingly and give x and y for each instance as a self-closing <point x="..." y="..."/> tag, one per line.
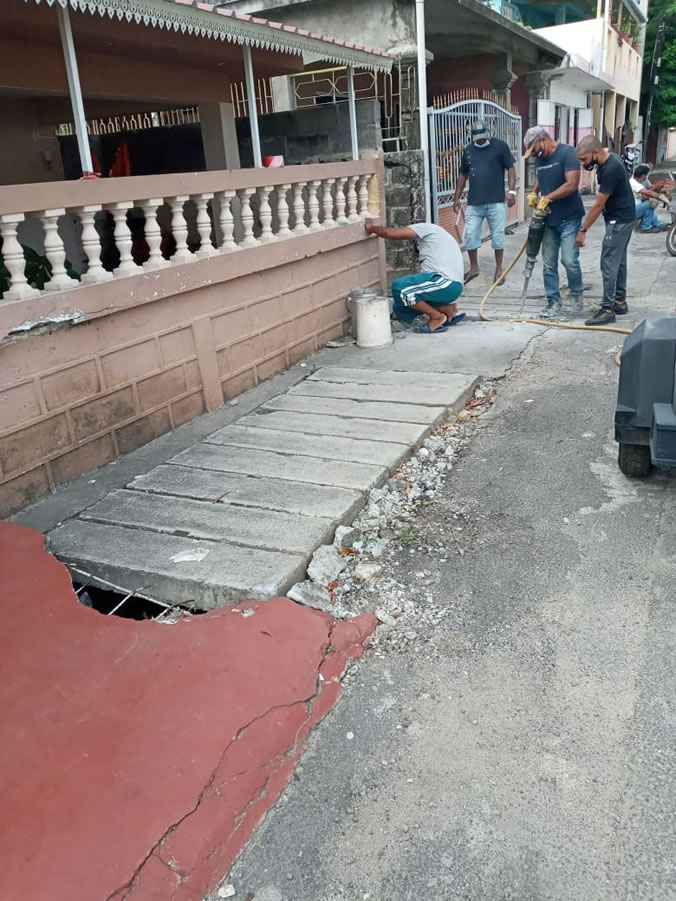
<point x="450" y="133"/>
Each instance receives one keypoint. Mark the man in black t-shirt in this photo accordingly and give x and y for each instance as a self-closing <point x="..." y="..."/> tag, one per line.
<point x="615" y="200"/>
<point x="485" y="162"/>
<point x="557" y="181"/>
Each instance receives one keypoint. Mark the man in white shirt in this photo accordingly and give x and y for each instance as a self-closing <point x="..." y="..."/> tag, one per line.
<point x="435" y="289"/>
<point x="643" y="192"/>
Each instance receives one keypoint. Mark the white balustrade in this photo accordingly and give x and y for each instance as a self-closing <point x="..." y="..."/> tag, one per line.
<point x="153" y="234"/>
<point x="203" y="224"/>
<point x="15" y="262"/>
<point x="327" y="203"/>
<point x="91" y="245"/>
<point x="55" y="251"/>
<point x="283" y="230"/>
<point x="265" y="215"/>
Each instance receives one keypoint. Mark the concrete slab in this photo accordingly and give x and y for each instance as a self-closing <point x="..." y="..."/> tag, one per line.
<point x="485" y="347"/>
<point x="298" y="403"/>
<point x="341" y="474"/>
<point x="357" y="450"/>
<point x="140" y="560"/>
<point x="216" y="522"/>
<point x="448" y="382"/>
<point x="409" y="433"/>
<point x="397" y="394"/>
<point x="340" y="504"/>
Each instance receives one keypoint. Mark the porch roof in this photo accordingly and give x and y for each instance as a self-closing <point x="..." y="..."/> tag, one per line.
<point x="211" y="20"/>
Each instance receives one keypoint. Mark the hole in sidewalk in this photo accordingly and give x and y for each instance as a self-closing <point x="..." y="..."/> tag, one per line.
<point x="128" y="605"/>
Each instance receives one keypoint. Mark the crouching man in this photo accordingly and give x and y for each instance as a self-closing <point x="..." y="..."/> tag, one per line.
<point x="434" y="290"/>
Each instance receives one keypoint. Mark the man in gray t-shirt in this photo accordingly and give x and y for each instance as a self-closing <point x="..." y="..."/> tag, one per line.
<point x="435" y="289"/>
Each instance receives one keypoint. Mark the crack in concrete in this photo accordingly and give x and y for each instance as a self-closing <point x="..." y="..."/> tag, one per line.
<point x="125" y="891"/>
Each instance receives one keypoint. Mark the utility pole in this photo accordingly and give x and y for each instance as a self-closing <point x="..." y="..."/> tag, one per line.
<point x="654" y="78"/>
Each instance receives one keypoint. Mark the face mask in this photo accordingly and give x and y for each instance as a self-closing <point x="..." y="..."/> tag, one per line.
<point x="591" y="166"/>
<point x="481" y="146"/>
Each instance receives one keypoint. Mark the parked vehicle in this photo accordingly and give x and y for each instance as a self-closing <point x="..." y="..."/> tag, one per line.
<point x="671" y="235"/>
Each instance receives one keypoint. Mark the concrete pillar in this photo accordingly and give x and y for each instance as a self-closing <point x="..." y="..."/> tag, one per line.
<point x="283" y="93"/>
<point x="536" y="84"/>
<point x="609" y="118"/>
<point x="219" y="136"/>
<point x="502" y="79"/>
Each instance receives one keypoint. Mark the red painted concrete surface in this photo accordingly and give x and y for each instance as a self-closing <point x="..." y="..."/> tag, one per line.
<point x="138" y="757"/>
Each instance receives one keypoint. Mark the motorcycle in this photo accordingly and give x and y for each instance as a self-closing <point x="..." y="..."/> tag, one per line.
<point x="631" y="157"/>
<point x="671" y="235"/>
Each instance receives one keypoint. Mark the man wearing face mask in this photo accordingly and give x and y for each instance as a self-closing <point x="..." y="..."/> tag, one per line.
<point x="615" y="200"/>
<point x="557" y="181"/>
<point x="485" y="162"/>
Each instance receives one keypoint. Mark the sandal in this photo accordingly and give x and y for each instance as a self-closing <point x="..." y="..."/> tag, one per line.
<point x="470" y="276"/>
<point x="426" y="330"/>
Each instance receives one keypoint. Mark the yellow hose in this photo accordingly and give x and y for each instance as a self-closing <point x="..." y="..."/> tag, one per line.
<point x="549" y="323"/>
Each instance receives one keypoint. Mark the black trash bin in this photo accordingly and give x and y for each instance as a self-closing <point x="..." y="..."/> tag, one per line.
<point x="645" y="416"/>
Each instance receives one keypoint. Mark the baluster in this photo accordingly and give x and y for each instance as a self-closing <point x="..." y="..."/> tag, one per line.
<point x="373" y="186"/>
<point x="363" y="195"/>
<point x="55" y="251"/>
<point x="352" y="214"/>
<point x="179" y="228"/>
<point x="283" y="211"/>
<point x="203" y="226"/>
<point x="340" y="201"/>
<point x="313" y="205"/>
<point x="153" y="234"/>
<point x="15" y="263"/>
<point x="122" y="234"/>
<point x="265" y="215"/>
<point x="227" y="222"/>
<point x="91" y="244"/>
<point x="247" y="217"/>
<point x="327" y="203"/>
<point x="299" y="226"/>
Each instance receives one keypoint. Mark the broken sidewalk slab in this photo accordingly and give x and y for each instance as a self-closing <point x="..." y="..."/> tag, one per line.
<point x="141" y="561"/>
<point x="379" y="453"/>
<point x="338" y="504"/>
<point x="294" y="468"/>
<point x="432" y="381"/>
<point x="189" y="518"/>
<point x="423" y="396"/>
<point x="408" y="433"/>
<point x="330" y="406"/>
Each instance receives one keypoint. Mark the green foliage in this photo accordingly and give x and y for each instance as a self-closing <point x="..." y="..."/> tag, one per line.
<point x="664" y="109"/>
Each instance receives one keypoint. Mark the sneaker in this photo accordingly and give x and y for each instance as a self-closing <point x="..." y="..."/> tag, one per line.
<point x="577" y="305"/>
<point x="620" y="308"/>
<point x="650" y="231"/>
<point x="603" y="317"/>
<point x="552" y="309"/>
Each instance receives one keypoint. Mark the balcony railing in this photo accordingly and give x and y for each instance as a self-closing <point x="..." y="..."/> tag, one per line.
<point x="62" y="235"/>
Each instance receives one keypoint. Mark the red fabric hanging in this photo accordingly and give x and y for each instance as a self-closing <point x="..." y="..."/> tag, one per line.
<point x="121" y="166"/>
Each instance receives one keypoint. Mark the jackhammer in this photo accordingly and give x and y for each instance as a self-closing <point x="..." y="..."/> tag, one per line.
<point x="536" y="230"/>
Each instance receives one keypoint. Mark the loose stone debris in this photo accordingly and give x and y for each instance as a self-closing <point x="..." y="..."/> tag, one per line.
<point x="363" y="569"/>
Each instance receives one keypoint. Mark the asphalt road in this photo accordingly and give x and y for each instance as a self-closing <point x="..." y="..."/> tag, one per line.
<point x="522" y="749"/>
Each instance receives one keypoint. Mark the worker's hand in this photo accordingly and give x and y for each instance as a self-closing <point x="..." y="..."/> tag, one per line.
<point x="456" y="206"/>
<point x="510" y="199"/>
<point x="533" y="198"/>
<point x="579" y="241"/>
<point x="543" y="205"/>
<point x="368" y="225"/>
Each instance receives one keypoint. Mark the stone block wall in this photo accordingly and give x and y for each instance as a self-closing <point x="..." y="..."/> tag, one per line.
<point x="405" y="204"/>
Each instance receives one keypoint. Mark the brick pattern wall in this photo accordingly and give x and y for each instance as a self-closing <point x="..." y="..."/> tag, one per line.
<point x="77" y="398"/>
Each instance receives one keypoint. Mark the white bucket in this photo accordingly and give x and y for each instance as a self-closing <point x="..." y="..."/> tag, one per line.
<point x="371" y="317"/>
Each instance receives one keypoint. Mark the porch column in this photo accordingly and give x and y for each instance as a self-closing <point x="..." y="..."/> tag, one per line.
<point x="75" y="91"/>
<point x="253" y="113"/>
<point x="352" y="103"/>
<point x="535" y="86"/>
<point x="502" y="79"/>
<point x="219" y="136"/>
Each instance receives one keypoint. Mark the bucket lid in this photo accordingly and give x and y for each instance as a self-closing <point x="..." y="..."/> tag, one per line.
<point x="365" y="294"/>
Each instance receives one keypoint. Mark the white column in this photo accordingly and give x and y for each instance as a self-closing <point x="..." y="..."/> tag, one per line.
<point x="422" y="98"/>
<point x="283" y="211"/>
<point x="327" y="203"/>
<point x="227" y="222"/>
<point x="352" y="214"/>
<point x="203" y="225"/>
<point x="179" y="228"/>
<point x="153" y="234"/>
<point x="363" y="196"/>
<point x="219" y="135"/>
<point x="91" y="244"/>
<point x="354" y="140"/>
<point x="313" y="205"/>
<point x="75" y="89"/>
<point x="299" y="226"/>
<point x="265" y="215"/>
<point x="55" y="251"/>
<point x="340" y="201"/>
<point x="12" y="253"/>
<point x="251" y="99"/>
<point x="247" y="217"/>
<point x="123" y="239"/>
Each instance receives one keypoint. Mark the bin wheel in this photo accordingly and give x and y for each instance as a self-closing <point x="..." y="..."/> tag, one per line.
<point x="634" y="460"/>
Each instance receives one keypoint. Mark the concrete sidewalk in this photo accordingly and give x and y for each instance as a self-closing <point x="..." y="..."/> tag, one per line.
<point x="236" y="511"/>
